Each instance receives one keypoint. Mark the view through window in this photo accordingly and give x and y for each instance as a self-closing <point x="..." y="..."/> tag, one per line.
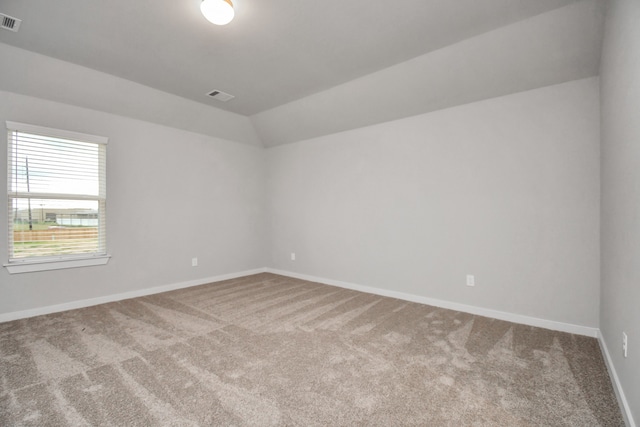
<point x="57" y="193"/>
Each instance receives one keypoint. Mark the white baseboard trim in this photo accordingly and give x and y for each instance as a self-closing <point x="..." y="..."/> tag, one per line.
<point x="617" y="387"/>
<point x="511" y="317"/>
<point x="15" y="315"/>
<point x="495" y="314"/>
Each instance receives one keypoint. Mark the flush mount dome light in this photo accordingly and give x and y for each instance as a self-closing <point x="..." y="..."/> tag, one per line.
<point x="219" y="12"/>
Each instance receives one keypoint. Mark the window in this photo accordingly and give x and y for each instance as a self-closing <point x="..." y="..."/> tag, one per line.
<point x="56" y="198"/>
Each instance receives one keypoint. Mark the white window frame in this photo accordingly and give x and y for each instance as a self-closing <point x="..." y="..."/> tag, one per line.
<point x="25" y="265"/>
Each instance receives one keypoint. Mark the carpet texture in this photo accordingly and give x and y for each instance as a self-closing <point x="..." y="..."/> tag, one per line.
<point x="267" y="350"/>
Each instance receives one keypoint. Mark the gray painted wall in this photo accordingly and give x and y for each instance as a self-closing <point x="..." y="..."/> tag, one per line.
<point x="620" y="298"/>
<point x="172" y="195"/>
<point x="506" y="189"/>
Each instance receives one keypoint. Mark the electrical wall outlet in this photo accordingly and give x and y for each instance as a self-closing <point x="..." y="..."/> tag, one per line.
<point x="293" y="256"/>
<point x="625" y="344"/>
<point x="194" y="262"/>
<point x="471" y="280"/>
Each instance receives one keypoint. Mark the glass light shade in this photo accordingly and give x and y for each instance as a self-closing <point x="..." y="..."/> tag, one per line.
<point x="219" y="12"/>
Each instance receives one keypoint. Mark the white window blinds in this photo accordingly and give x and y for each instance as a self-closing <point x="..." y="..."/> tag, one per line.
<point x="56" y="193"/>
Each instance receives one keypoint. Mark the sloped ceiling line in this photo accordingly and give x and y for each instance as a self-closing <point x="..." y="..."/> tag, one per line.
<point x="547" y="48"/>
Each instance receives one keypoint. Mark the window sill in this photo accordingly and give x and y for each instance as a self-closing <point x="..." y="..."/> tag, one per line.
<point x="55" y="264"/>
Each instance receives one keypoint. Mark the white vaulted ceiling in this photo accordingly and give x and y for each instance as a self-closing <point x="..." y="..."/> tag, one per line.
<point x="300" y="69"/>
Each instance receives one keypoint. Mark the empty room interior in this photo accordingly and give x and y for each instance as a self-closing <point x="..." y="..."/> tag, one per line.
<point x="320" y="212"/>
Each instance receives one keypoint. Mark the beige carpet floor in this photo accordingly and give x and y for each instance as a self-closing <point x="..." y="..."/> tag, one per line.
<point x="267" y="350"/>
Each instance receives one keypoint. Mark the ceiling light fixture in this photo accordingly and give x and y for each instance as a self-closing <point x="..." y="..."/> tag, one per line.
<point x="219" y="12"/>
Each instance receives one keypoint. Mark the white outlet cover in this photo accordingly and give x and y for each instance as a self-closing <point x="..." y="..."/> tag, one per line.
<point x="293" y="256"/>
<point x="194" y="262"/>
<point x="471" y="281"/>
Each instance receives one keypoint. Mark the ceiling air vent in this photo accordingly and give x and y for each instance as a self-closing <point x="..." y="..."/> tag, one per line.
<point x="9" y="22"/>
<point x="220" y="96"/>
